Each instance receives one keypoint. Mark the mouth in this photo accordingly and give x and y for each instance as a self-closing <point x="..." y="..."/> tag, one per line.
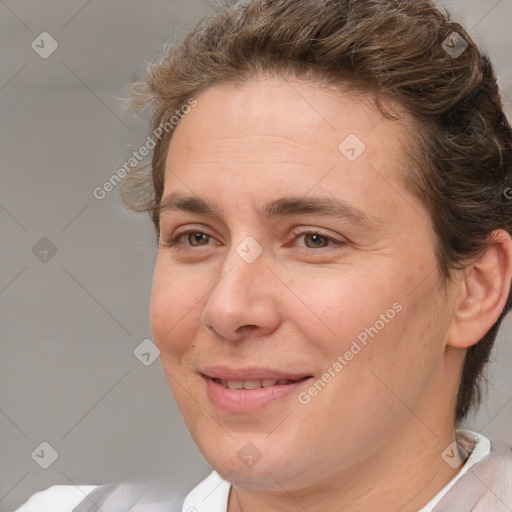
<point x="256" y="383"/>
<point x="251" y="390"/>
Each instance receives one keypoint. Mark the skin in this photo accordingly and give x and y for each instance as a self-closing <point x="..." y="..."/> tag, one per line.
<point x="372" y="439"/>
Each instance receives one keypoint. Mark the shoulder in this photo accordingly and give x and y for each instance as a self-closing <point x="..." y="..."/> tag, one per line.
<point x="135" y="496"/>
<point x="58" y="498"/>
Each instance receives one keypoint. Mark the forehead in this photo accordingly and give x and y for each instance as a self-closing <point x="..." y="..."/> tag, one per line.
<point x="286" y="134"/>
<point x="289" y="114"/>
<point x="271" y="105"/>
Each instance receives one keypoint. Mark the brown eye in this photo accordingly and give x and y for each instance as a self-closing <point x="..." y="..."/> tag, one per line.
<point x="197" y="238"/>
<point x="316" y="240"/>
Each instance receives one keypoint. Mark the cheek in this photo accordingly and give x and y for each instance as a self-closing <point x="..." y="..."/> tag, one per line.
<point x="371" y="319"/>
<point x="174" y="310"/>
<point x="334" y="310"/>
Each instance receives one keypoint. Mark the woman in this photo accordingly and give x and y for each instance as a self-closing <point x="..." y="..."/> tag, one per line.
<point x="334" y="258"/>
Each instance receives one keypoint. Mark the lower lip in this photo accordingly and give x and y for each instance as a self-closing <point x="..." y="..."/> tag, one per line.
<point x="249" y="400"/>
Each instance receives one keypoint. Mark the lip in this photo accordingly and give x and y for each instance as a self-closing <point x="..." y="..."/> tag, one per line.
<point x="250" y="373"/>
<point x="243" y="401"/>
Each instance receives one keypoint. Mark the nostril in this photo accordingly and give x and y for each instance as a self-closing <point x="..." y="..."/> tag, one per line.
<point x="248" y="327"/>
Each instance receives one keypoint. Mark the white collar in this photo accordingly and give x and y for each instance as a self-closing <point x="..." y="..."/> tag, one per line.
<point x="210" y="495"/>
<point x="481" y="448"/>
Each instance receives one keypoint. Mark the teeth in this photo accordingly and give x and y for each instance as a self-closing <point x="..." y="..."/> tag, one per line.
<point x="252" y="384"/>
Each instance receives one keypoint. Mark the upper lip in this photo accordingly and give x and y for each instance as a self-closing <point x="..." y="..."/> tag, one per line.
<point x="252" y="373"/>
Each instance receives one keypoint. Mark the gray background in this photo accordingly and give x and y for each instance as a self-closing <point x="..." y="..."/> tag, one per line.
<point x="70" y="325"/>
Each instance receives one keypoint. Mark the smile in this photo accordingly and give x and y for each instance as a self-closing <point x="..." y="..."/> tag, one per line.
<point x="251" y="395"/>
<point x="254" y="384"/>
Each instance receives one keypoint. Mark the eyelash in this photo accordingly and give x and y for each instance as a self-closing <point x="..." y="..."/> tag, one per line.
<point x="173" y="241"/>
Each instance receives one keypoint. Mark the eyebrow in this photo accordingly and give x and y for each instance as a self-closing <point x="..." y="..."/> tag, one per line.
<point x="282" y="207"/>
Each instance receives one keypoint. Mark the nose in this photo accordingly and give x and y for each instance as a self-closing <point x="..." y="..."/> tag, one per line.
<point x="243" y="301"/>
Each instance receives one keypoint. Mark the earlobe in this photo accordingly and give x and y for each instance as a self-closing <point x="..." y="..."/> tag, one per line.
<point x="484" y="292"/>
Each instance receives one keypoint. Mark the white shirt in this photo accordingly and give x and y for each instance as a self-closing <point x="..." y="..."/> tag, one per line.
<point x="211" y="494"/>
<point x="481" y="449"/>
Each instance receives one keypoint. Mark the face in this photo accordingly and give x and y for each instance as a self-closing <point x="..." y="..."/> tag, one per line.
<point x="299" y="256"/>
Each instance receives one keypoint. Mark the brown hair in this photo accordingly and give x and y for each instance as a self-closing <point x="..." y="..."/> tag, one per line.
<point x="399" y="51"/>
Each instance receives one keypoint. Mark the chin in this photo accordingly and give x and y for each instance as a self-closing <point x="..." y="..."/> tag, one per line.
<point x="251" y="460"/>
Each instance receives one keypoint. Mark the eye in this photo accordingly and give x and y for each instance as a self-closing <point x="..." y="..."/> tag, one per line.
<point x="184" y="239"/>
<point x="196" y="238"/>
<point x="314" y="239"/>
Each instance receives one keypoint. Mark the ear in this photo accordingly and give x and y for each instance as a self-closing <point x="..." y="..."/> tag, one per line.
<point x="483" y="292"/>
